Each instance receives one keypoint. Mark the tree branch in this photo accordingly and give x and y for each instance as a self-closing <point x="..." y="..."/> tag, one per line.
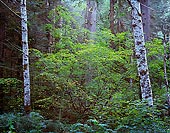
<point x="10" y="9"/>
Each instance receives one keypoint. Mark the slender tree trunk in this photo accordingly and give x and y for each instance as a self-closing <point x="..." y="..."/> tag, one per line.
<point x="120" y="25"/>
<point x="112" y="14"/>
<point x="56" y="23"/>
<point x="91" y="15"/>
<point x="146" y="18"/>
<point x="2" y="38"/>
<point x="140" y="52"/>
<point x="112" y="26"/>
<point x="131" y="80"/>
<point x="165" y="70"/>
<point x="26" y="74"/>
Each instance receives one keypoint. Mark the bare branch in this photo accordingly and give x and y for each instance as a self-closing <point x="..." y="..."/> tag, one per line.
<point x="10" y="9"/>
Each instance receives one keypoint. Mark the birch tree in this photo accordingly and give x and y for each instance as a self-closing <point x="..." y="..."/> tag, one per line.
<point x="140" y="52"/>
<point x="26" y="74"/>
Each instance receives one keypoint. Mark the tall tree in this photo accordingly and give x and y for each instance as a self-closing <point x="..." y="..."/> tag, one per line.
<point x="91" y="15"/>
<point x="26" y="74"/>
<point x="120" y="14"/>
<point x="161" y="16"/>
<point x="146" y="18"/>
<point x="112" y="14"/>
<point x="166" y="56"/>
<point x="90" y="24"/>
<point x="2" y="38"/>
<point x="140" y="52"/>
<point x="112" y="26"/>
<point x="56" y="23"/>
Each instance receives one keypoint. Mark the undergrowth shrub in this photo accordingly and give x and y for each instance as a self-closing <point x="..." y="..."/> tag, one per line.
<point x="19" y="123"/>
<point x="90" y="126"/>
<point x="11" y="94"/>
<point x="134" y="116"/>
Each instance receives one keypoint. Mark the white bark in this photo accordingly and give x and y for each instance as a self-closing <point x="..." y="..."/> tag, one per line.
<point x="26" y="74"/>
<point x="140" y="52"/>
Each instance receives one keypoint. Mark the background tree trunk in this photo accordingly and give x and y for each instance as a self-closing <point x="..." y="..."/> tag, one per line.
<point x="120" y="25"/>
<point x="146" y="18"/>
<point x="165" y="40"/>
<point x="165" y="59"/>
<point x="26" y="74"/>
<point x="140" y="52"/>
<point x="112" y="10"/>
<point x="2" y="38"/>
<point x="112" y="26"/>
<point x="91" y="15"/>
<point x="90" y="24"/>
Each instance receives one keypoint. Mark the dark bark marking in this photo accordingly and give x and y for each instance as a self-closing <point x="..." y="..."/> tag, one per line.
<point x="143" y="72"/>
<point x="138" y="56"/>
<point x="27" y="109"/>
<point x="25" y="66"/>
<point x="139" y="21"/>
<point x="138" y="42"/>
<point x="134" y="25"/>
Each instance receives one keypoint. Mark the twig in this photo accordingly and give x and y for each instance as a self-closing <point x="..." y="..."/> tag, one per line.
<point x="10" y="9"/>
<point x="147" y="7"/>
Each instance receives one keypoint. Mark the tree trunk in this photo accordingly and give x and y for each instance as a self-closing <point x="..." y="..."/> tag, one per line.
<point x="91" y="17"/>
<point x="146" y="18"/>
<point x="112" y="27"/>
<point x="2" y="38"/>
<point x="90" y="24"/>
<point x="56" y="23"/>
<point x="165" y="71"/>
<point x="120" y="25"/>
<point x="140" y="52"/>
<point x="165" y="58"/>
<point x="112" y="3"/>
<point x="26" y="74"/>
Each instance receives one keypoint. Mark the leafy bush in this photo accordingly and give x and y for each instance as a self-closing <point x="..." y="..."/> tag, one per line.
<point x="56" y="127"/>
<point x="142" y="118"/>
<point x="72" y="81"/>
<point x="20" y="123"/>
<point x="11" y="94"/>
<point x="134" y="116"/>
<point x="91" y="126"/>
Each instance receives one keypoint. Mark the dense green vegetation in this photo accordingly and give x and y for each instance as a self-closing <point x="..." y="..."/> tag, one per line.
<point x="85" y="86"/>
